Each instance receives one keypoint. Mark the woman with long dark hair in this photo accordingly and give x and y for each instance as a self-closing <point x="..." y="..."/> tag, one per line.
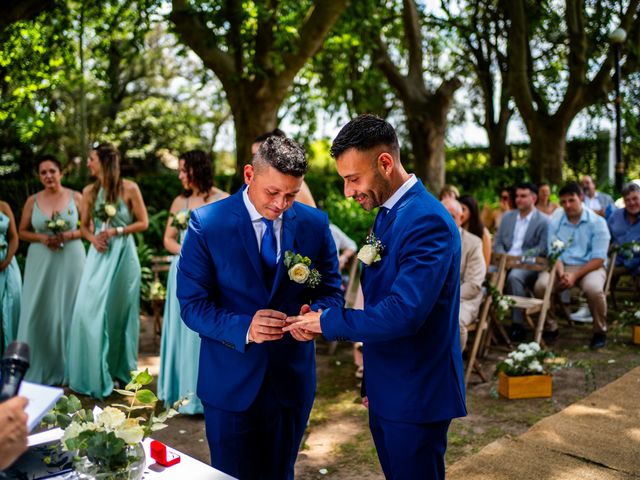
<point x="54" y="265"/>
<point x="180" y="346"/>
<point x="472" y="222"/>
<point x="103" y="339"/>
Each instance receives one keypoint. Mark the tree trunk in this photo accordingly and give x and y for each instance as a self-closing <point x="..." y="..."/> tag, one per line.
<point x="548" y="146"/>
<point x="251" y="117"/>
<point x="497" y="144"/>
<point x="427" y="145"/>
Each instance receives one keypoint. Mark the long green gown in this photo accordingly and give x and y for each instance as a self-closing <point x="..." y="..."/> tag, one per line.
<point x="10" y="290"/>
<point x="179" y="351"/>
<point x="51" y="281"/>
<point x="105" y="326"/>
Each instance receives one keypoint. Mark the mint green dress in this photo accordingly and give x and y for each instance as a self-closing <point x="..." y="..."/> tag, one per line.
<point x="10" y="290"/>
<point x="179" y="350"/>
<point x="105" y="325"/>
<point x="51" y="281"/>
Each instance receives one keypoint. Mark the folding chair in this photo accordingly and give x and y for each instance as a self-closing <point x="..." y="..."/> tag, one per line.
<point x="532" y="306"/>
<point x="481" y="327"/>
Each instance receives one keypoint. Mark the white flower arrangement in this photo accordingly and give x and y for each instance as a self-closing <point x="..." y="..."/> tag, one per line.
<point x="630" y="314"/>
<point x="104" y="438"/>
<point x="371" y="251"/>
<point x="557" y="249"/>
<point x="181" y="219"/>
<point x="528" y="359"/>
<point x="57" y="224"/>
<point x="629" y="249"/>
<point x="299" y="271"/>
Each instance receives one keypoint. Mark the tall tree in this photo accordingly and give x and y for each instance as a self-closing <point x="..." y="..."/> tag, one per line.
<point x="256" y="50"/>
<point x="541" y="37"/>
<point x="425" y="109"/>
<point x="481" y="28"/>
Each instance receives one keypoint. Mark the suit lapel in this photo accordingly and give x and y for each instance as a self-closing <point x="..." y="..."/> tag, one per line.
<point x="248" y="236"/>
<point x="289" y="224"/>
<point x="404" y="200"/>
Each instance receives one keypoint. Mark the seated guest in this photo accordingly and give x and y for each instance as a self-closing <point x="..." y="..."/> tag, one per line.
<point x="599" y="202"/>
<point x="522" y="232"/>
<point x="581" y="260"/>
<point x="491" y="217"/>
<point x="624" y="225"/>
<point x="544" y="203"/>
<point x="472" y="223"/>
<point x="472" y="272"/>
<point x="449" y="191"/>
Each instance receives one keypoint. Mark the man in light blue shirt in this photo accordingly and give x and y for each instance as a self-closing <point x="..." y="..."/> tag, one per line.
<point x="582" y="237"/>
<point x="624" y="225"/>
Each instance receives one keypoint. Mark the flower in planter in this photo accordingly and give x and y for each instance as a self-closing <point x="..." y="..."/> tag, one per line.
<point x="529" y="359"/>
<point x="630" y="314"/>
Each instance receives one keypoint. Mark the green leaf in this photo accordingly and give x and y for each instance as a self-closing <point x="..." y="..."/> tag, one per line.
<point x="143" y="378"/>
<point x="63" y="420"/>
<point x="126" y="393"/>
<point x="49" y="418"/>
<point x="146" y="396"/>
<point x="74" y="404"/>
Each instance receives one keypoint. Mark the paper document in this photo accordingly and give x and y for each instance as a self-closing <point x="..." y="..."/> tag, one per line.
<point x="41" y="399"/>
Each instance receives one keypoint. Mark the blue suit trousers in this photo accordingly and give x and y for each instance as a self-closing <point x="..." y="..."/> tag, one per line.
<point x="410" y="451"/>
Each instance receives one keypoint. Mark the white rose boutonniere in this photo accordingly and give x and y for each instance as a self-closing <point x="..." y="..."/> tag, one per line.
<point x="181" y="219"/>
<point x="299" y="271"/>
<point x="371" y="251"/>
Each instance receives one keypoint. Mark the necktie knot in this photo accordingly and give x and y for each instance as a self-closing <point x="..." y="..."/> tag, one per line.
<point x="268" y="223"/>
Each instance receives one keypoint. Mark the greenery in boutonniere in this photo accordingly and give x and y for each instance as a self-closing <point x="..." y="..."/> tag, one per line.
<point x="299" y="271"/>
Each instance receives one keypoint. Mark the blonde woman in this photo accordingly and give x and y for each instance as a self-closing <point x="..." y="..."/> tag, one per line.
<point x="103" y="339"/>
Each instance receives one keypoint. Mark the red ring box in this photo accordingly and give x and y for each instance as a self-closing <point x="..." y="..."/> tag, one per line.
<point x="161" y="455"/>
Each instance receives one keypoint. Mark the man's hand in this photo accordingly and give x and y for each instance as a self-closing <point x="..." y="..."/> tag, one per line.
<point x="301" y="335"/>
<point x="13" y="430"/>
<point x="266" y="326"/>
<point x="307" y="323"/>
<point x="568" y="280"/>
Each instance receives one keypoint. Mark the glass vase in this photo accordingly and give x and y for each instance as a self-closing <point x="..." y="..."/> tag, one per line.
<point x="88" y="469"/>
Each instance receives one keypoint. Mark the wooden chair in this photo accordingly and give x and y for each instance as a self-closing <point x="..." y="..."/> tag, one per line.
<point x="159" y="264"/>
<point x="533" y="306"/>
<point x="482" y="326"/>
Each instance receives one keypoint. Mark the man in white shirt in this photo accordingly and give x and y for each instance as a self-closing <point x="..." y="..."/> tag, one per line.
<point x="599" y="202"/>
<point x="522" y="232"/>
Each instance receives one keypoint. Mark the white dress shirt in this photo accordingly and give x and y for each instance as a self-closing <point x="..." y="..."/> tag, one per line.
<point x="404" y="188"/>
<point x="519" y="231"/>
<point x="259" y="226"/>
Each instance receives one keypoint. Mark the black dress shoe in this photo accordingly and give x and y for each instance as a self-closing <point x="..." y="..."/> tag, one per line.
<point x="517" y="333"/>
<point x="550" y="336"/>
<point x="598" y="341"/>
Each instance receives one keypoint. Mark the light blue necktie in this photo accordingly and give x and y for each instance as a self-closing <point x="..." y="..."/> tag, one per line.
<point x="268" y="247"/>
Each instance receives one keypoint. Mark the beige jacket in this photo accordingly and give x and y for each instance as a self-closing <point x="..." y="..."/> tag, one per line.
<point x="472" y="273"/>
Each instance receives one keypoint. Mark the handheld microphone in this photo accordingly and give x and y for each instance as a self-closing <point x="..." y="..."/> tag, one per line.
<point x="13" y="366"/>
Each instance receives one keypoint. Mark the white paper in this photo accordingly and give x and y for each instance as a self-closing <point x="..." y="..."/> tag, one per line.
<point x="41" y="399"/>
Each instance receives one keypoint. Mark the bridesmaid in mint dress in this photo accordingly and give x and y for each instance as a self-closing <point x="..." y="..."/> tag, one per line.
<point x="10" y="279"/>
<point x="105" y="325"/>
<point x="180" y="346"/>
<point x="52" y="273"/>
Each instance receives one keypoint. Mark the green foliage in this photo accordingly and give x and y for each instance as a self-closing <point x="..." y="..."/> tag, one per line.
<point x="347" y="214"/>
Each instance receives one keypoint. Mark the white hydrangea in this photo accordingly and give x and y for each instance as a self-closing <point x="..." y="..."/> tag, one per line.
<point x="509" y="362"/>
<point x="557" y="244"/>
<point x="534" y="346"/>
<point x="111" y="418"/>
<point x="519" y="356"/>
<point x="637" y="314"/>
<point x="535" y="366"/>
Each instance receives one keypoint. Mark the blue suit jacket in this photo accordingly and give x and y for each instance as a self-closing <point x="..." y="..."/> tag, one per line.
<point x="409" y="325"/>
<point x="220" y="286"/>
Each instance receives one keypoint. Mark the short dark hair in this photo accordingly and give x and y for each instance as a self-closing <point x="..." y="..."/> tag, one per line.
<point x="532" y="187"/>
<point x="571" y="188"/>
<point x="364" y="133"/>
<point x="198" y="166"/>
<point x="49" y="158"/>
<point x="276" y="132"/>
<point x="283" y="154"/>
<point x="630" y="188"/>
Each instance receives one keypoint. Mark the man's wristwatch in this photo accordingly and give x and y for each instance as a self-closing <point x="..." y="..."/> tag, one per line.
<point x="119" y="231"/>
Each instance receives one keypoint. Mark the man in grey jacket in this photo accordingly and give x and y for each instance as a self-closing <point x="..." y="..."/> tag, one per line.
<point x="522" y="232"/>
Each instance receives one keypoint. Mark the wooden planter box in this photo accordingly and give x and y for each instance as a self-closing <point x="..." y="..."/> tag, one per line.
<point x="528" y="386"/>
<point x="635" y="338"/>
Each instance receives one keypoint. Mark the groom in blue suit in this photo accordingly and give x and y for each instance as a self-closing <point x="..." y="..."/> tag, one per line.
<point x="255" y="381"/>
<point x="413" y="375"/>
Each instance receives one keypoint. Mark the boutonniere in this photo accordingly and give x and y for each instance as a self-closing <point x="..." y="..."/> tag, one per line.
<point x="371" y="250"/>
<point x="299" y="271"/>
<point x="181" y="219"/>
